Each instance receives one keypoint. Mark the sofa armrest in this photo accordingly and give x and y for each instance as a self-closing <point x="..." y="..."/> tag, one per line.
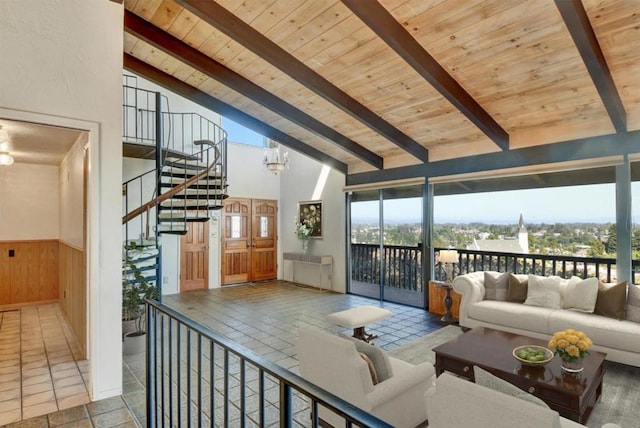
<point x="399" y="399"/>
<point x="471" y="287"/>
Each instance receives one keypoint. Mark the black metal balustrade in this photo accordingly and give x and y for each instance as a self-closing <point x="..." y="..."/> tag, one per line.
<point x="196" y="377"/>
<point x="403" y="265"/>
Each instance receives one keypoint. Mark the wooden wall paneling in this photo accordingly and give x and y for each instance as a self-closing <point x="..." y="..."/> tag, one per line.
<point x="31" y="275"/>
<point x="79" y="299"/>
<point x="73" y="291"/>
<point x="5" y="275"/>
<point x="19" y="268"/>
<point x="32" y="262"/>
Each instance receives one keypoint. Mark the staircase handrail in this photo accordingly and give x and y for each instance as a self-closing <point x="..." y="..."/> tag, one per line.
<point x="166" y="195"/>
<point x="138" y="177"/>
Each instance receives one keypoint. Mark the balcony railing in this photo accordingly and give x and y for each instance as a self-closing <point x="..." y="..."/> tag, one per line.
<point x="196" y="377"/>
<point x="403" y="265"/>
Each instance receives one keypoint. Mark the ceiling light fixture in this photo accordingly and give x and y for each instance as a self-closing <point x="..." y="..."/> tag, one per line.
<point x="6" y="159"/>
<point x="4" y="135"/>
<point x="274" y="161"/>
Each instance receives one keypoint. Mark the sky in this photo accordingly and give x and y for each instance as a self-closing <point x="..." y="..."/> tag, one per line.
<point x="239" y="134"/>
<point x="591" y="203"/>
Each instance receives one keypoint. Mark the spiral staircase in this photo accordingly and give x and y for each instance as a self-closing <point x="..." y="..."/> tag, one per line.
<point x="187" y="183"/>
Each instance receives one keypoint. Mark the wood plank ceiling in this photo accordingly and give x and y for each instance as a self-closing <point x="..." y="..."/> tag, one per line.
<point x="376" y="85"/>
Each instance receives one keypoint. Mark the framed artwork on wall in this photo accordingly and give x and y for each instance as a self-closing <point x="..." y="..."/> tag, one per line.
<point x="310" y="215"/>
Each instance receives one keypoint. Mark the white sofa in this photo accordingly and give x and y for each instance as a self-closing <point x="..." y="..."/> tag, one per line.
<point x="333" y="363"/>
<point x="456" y="402"/>
<point x="619" y="339"/>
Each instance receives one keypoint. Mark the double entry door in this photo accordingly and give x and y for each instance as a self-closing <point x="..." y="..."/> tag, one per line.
<point x="249" y="239"/>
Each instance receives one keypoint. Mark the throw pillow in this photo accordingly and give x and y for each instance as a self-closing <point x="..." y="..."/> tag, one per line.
<point x="581" y="295"/>
<point x="377" y="356"/>
<point x="544" y="291"/>
<point x="496" y="285"/>
<point x="612" y="298"/>
<point x="517" y="291"/>
<point x="633" y="303"/>
<point x="372" y="369"/>
<point x="486" y="379"/>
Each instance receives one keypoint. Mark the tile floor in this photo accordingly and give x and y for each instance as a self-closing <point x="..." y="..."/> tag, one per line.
<point x="263" y="317"/>
<point x="40" y="370"/>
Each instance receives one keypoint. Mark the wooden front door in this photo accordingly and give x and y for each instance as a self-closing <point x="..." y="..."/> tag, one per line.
<point x="249" y="239"/>
<point x="194" y="257"/>
<point x="263" y="235"/>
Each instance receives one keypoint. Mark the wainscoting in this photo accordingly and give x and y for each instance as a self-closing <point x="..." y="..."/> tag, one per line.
<point x="41" y="271"/>
<point x="28" y="271"/>
<point x="73" y="292"/>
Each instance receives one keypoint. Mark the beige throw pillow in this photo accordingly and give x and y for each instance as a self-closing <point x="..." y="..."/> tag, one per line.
<point x="517" y="289"/>
<point x="581" y="295"/>
<point x="633" y="303"/>
<point x="372" y="369"/>
<point x="496" y="286"/>
<point x="612" y="298"/>
<point x="544" y="292"/>
<point x="377" y="356"/>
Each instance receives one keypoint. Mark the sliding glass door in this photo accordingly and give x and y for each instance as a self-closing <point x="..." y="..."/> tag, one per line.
<point x="386" y="244"/>
<point x="365" y="261"/>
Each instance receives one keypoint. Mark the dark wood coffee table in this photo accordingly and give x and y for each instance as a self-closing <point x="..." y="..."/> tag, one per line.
<point x="573" y="396"/>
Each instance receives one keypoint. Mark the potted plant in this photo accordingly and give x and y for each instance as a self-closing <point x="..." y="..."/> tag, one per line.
<point x="135" y="289"/>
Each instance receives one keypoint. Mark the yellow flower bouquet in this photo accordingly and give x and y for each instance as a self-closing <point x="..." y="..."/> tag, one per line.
<point x="570" y="345"/>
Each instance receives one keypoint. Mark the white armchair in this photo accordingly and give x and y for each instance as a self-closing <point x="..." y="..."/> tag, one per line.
<point x="333" y="363"/>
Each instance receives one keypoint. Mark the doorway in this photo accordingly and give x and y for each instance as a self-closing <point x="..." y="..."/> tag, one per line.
<point x="194" y="257"/>
<point x="249" y="240"/>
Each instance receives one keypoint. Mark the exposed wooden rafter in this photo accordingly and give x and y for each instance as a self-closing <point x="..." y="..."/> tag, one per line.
<point x="226" y="22"/>
<point x="577" y="22"/>
<point x="185" y="53"/>
<point x="376" y="17"/>
<point x="181" y="88"/>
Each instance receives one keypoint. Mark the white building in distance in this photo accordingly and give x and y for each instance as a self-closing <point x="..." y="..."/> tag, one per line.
<point x="519" y="244"/>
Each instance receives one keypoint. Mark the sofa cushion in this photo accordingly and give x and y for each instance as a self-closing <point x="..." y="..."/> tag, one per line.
<point x="612" y="299"/>
<point x="544" y="291"/>
<point x="486" y="379"/>
<point x="633" y="303"/>
<point x="581" y="295"/>
<point x="377" y="356"/>
<point x="372" y="369"/>
<point x="496" y="285"/>
<point x="517" y="288"/>
<point x="509" y="314"/>
<point x="603" y="331"/>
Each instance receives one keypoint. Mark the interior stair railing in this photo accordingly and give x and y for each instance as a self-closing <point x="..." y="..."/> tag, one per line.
<point x="188" y="181"/>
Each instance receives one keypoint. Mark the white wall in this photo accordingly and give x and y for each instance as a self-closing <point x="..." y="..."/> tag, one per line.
<point x="71" y="194"/>
<point x="28" y="202"/>
<point x="298" y="184"/>
<point x="65" y="68"/>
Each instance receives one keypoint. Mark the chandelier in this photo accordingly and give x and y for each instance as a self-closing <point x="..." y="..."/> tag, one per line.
<point x="275" y="161"/>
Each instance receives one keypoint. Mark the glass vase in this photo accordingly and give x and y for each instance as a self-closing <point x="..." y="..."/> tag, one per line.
<point x="572" y="366"/>
<point x="305" y="246"/>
